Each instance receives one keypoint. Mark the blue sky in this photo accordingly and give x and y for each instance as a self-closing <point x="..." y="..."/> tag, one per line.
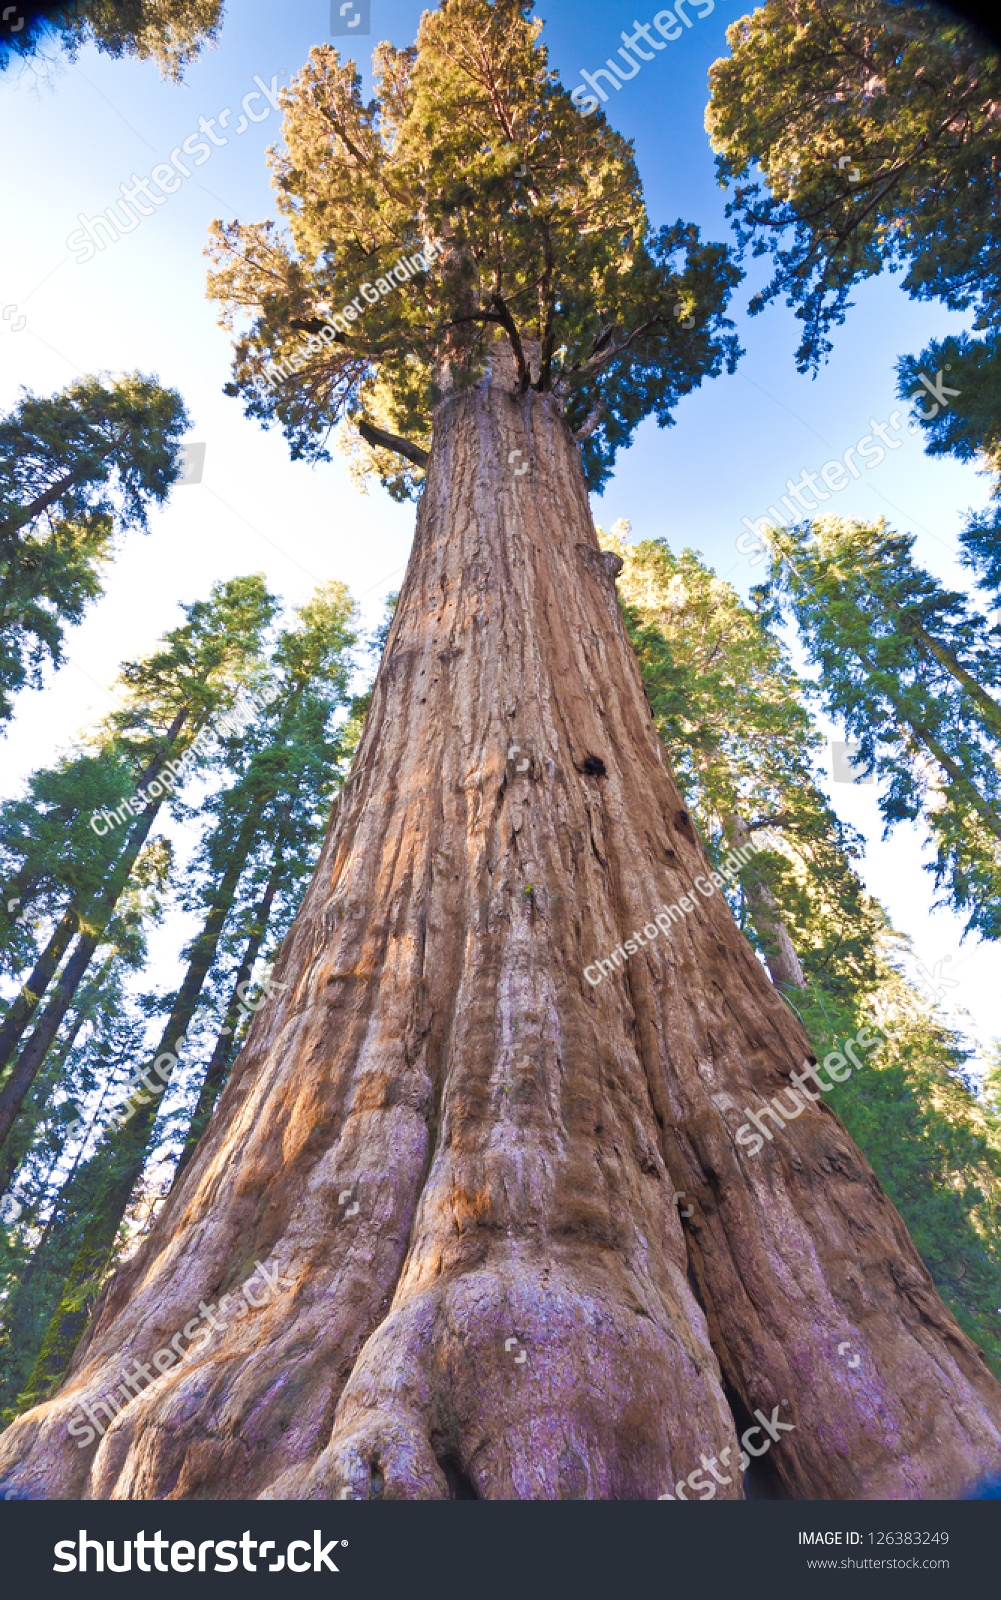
<point x="81" y="130"/>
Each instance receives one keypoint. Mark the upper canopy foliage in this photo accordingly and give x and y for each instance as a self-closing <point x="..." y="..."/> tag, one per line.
<point x="876" y="127"/>
<point x="472" y="147"/>
<point x="169" y="32"/>
<point x="76" y="469"/>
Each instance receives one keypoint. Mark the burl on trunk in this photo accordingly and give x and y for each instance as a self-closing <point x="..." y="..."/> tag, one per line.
<point x="464" y="1159"/>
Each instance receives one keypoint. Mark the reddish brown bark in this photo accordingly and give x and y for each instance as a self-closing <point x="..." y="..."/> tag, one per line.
<point x="513" y="1135"/>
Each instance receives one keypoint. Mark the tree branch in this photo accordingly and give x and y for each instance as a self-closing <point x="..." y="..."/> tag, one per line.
<point x="604" y="350"/>
<point x="25" y="514"/>
<point x="507" y="322"/>
<point x="779" y="818"/>
<point x="609" y="353"/>
<point x="474" y="316"/>
<point x="392" y="441"/>
<point x="313" y="325"/>
<point x="591" y="423"/>
<point x="365" y="162"/>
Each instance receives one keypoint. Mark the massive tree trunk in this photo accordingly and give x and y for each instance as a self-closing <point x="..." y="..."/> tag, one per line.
<point x="464" y="1156"/>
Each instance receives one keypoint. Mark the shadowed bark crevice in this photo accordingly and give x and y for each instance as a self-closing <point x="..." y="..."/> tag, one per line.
<point x="762" y="1480"/>
<point x="460" y="1487"/>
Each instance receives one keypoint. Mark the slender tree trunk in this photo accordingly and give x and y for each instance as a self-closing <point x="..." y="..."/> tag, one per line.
<point x="23" y="1007"/>
<point x="988" y="813"/>
<point x="215" y="1075"/>
<point x="93" y="923"/>
<point x="780" y="952"/>
<point x="21" y="1316"/>
<point x="28" y="513"/>
<point x="128" y="1146"/>
<point x="986" y="704"/>
<point x="18" y="1314"/>
<point x="39" y="1041"/>
<point x="462" y="1154"/>
<point x="18" y="1141"/>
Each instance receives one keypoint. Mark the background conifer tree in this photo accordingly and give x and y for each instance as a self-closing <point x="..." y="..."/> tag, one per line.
<point x="170" y="32"/>
<point x="866" y="140"/>
<point x="911" y="670"/>
<point x="263" y="811"/>
<point x="168" y="701"/>
<point x="77" y="470"/>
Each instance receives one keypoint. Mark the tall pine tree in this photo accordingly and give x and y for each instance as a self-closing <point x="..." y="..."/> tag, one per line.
<point x="911" y="670"/>
<point x="168" y="702"/>
<point x="77" y="469"/>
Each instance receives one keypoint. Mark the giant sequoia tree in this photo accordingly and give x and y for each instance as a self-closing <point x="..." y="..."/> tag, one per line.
<point x="461" y="1154"/>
